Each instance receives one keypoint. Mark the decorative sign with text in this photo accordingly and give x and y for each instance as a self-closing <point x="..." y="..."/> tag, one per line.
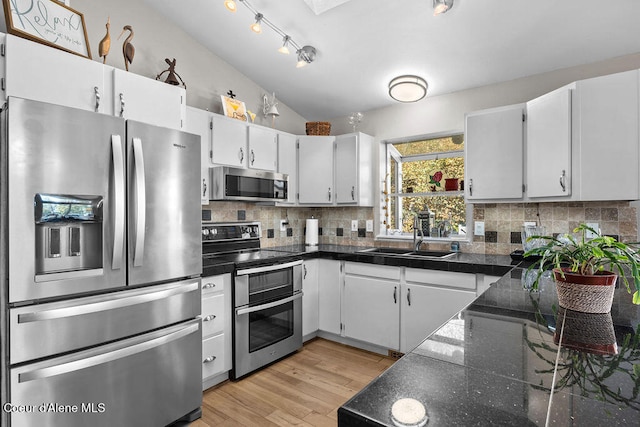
<point x="48" y="22"/>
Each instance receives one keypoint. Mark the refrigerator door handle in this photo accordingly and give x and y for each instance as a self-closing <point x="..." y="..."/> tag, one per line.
<point x="118" y="202"/>
<point x="107" y="356"/>
<point x="141" y="203"/>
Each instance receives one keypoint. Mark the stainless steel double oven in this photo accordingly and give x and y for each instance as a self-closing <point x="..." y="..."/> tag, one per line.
<point x="267" y="293"/>
<point x="268" y="315"/>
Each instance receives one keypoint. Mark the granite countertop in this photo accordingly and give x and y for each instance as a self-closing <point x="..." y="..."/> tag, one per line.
<point x="494" y="363"/>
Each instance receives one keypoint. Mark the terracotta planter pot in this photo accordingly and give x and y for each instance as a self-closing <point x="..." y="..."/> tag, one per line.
<point x="588" y="294"/>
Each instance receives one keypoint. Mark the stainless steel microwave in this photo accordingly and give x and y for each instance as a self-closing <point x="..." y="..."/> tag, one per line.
<point x="228" y="183"/>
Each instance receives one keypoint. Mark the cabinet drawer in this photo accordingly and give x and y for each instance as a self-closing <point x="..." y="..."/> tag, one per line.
<point x="213" y="284"/>
<point x="213" y="356"/>
<point x="377" y="271"/>
<point x="213" y="314"/>
<point x="441" y="278"/>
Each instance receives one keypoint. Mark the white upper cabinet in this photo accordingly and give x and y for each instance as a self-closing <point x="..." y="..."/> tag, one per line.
<point x="287" y="163"/>
<point x="229" y="145"/>
<point x="354" y="169"/>
<point x="548" y="153"/>
<point x="315" y="170"/>
<point x="606" y="133"/>
<point x="147" y="100"/>
<point x="263" y="148"/>
<point x="494" y="153"/>
<point x="38" y="72"/>
<point x="199" y="122"/>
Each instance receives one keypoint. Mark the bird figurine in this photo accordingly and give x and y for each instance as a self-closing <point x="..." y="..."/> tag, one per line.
<point x="105" y="43"/>
<point x="127" y="48"/>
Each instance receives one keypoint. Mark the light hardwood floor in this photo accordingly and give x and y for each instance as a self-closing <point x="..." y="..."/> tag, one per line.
<point x="304" y="389"/>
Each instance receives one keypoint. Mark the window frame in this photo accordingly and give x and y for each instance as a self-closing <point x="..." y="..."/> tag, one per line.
<point x="391" y="153"/>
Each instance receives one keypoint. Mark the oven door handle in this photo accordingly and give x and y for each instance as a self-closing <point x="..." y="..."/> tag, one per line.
<point x="267" y="268"/>
<point x="242" y="311"/>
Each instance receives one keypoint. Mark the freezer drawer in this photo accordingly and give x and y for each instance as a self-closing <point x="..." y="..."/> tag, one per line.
<point x="48" y="329"/>
<point x="152" y="379"/>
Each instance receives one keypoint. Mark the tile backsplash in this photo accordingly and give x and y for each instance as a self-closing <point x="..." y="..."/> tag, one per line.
<point x="502" y="223"/>
<point x="334" y="222"/>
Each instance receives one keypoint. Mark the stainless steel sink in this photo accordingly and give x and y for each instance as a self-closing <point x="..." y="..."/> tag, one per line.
<point x="408" y="253"/>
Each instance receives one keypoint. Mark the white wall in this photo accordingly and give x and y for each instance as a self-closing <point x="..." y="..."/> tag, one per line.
<point x="206" y="75"/>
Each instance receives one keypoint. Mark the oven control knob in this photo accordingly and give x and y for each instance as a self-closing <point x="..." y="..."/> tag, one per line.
<point x="205" y="232"/>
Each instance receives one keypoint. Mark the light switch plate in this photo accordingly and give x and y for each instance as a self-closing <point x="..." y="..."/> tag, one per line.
<point x="369" y="225"/>
<point x="478" y="228"/>
<point x="354" y="225"/>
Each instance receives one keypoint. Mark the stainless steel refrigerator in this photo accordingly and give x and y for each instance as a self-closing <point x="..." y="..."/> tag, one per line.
<point x="100" y="265"/>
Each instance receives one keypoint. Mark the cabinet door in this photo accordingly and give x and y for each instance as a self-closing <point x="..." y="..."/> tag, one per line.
<point x="372" y="310"/>
<point x="347" y="164"/>
<point x="310" y="300"/>
<point x="199" y="122"/>
<point x="263" y="148"/>
<point x="329" y="284"/>
<point x="607" y="128"/>
<point x="549" y="144"/>
<point x="287" y="162"/>
<point x="38" y="72"/>
<point x="229" y="146"/>
<point x="425" y="309"/>
<point x="315" y="170"/>
<point x="148" y="101"/>
<point x="494" y="153"/>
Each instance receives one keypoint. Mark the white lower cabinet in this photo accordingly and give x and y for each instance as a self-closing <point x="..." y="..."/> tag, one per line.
<point x="329" y="296"/>
<point x="216" y="329"/>
<point x="371" y="304"/>
<point x="429" y="299"/>
<point x="310" y="303"/>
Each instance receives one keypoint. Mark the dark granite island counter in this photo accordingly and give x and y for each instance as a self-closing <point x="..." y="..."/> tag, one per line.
<point x="494" y="364"/>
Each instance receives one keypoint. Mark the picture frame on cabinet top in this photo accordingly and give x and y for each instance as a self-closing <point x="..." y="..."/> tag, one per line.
<point x="50" y="22"/>
<point x="233" y="108"/>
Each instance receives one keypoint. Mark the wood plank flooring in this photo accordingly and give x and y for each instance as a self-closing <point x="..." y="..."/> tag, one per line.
<point x="304" y="389"/>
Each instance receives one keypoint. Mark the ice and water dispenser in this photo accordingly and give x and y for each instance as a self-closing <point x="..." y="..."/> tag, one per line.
<point x="68" y="232"/>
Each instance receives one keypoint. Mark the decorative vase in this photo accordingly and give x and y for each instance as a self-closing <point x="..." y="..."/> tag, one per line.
<point x="587" y="294"/>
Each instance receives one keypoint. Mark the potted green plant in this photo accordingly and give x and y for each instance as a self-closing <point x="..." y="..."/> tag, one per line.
<point x="586" y="269"/>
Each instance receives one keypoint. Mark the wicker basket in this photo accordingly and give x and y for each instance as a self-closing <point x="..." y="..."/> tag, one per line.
<point x="588" y="294"/>
<point x="318" y="128"/>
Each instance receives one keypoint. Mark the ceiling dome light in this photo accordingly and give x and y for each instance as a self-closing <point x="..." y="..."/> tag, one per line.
<point x="255" y="27"/>
<point x="441" y="6"/>
<point x="306" y="55"/>
<point x="230" y="5"/>
<point x="408" y="88"/>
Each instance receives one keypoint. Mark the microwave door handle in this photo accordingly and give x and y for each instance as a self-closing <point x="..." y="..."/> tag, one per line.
<point x="118" y="201"/>
<point x="108" y="356"/>
<point x="141" y="203"/>
<point x="241" y="311"/>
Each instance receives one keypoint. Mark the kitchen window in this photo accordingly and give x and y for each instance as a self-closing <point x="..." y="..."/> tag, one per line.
<point x="425" y="177"/>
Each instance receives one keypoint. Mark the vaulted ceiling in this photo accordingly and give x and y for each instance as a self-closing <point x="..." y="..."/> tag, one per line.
<point x="362" y="44"/>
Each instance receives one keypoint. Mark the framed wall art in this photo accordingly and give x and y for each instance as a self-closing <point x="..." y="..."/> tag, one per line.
<point x="48" y="22"/>
<point x="234" y="108"/>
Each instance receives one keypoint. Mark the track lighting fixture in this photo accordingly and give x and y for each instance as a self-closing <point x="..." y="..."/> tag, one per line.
<point x="230" y="5"/>
<point x="305" y="54"/>
<point x="441" y="6"/>
<point x="284" y="49"/>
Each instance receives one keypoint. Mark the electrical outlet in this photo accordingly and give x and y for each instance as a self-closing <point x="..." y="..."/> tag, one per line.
<point x="369" y="225"/>
<point x="283" y="224"/>
<point x="595" y="226"/>
<point x="354" y="225"/>
<point x="478" y="228"/>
